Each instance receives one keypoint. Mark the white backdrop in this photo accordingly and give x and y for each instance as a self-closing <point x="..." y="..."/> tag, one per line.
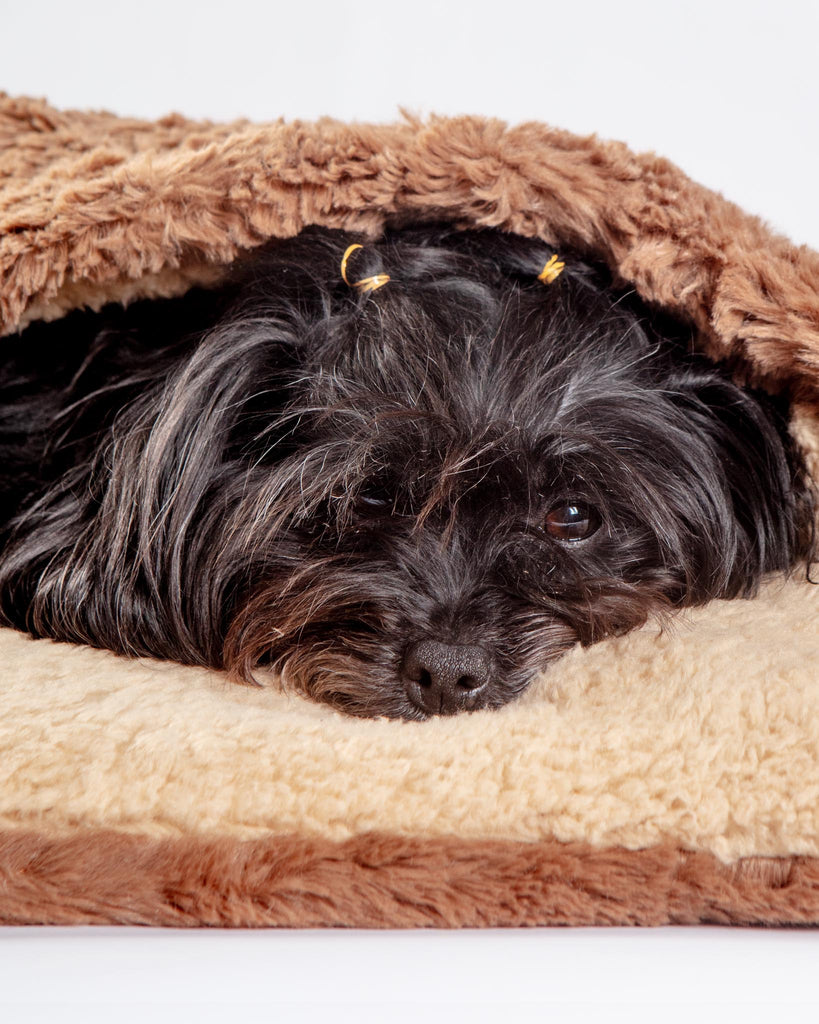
<point x="726" y="90"/>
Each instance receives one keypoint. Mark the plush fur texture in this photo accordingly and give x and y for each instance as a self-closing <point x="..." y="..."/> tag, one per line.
<point x="409" y="500"/>
<point x="705" y="737"/>
<point x="97" y="208"/>
<point x="373" y="881"/>
<point x="649" y="751"/>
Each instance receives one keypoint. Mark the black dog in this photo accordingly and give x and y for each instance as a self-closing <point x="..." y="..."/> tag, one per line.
<point x="407" y="475"/>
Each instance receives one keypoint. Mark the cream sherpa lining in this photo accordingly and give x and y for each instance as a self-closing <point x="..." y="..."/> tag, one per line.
<point x="706" y="736"/>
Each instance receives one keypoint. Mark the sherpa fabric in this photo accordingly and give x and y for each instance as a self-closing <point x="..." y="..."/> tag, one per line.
<point x="655" y="778"/>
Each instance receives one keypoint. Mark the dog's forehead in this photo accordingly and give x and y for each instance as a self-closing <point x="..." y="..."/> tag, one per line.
<point x="449" y="383"/>
<point x="522" y="369"/>
<point x="487" y="463"/>
<point x="495" y="408"/>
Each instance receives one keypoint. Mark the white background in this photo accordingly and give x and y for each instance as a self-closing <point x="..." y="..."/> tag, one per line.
<point x="729" y="92"/>
<point x="726" y="89"/>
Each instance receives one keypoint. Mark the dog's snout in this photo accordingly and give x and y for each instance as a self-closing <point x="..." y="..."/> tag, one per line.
<point x="442" y="679"/>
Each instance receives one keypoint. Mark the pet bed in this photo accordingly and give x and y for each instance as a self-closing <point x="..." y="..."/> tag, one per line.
<point x="655" y="778"/>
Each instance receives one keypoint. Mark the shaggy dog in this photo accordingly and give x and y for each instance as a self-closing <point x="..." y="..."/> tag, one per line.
<point x="407" y="475"/>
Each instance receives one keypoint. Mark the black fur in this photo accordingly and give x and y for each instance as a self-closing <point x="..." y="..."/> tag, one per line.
<point x="375" y="493"/>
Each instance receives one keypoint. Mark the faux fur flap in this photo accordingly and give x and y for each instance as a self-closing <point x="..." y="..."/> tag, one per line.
<point x="94" y="207"/>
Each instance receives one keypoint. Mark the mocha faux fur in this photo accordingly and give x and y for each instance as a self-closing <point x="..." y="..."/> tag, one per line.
<point x="665" y="762"/>
<point x="96" y="207"/>
<point x="383" y="881"/>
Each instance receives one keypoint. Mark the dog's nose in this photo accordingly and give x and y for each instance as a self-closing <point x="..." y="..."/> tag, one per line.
<point x="444" y="678"/>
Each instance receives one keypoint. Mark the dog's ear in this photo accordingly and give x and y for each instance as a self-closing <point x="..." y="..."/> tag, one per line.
<point x="763" y="473"/>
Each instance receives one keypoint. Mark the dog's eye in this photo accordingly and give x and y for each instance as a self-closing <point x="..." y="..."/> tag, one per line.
<point x="374" y="501"/>
<point x="572" y="521"/>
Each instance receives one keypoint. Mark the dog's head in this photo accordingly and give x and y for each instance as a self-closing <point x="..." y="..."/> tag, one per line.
<point x="449" y="480"/>
<point x="409" y="496"/>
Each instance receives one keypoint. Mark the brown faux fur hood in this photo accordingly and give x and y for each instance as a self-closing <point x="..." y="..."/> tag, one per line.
<point x="95" y="207"/>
